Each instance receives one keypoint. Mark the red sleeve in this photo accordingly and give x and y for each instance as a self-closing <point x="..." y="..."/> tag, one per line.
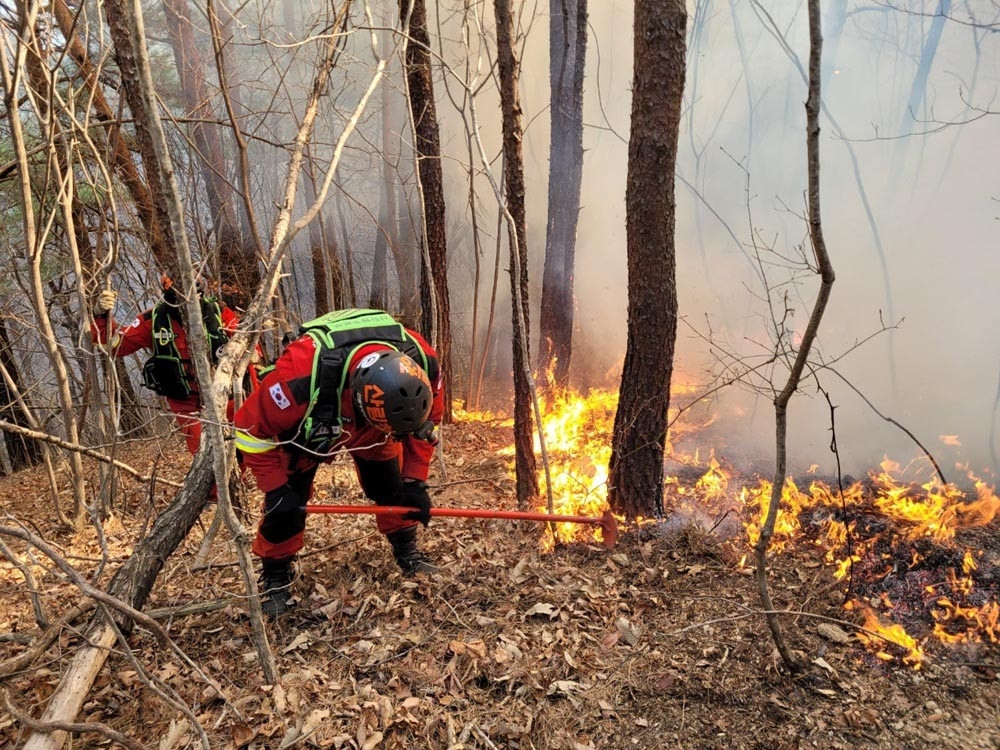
<point x="125" y="340"/>
<point x="271" y="412"/>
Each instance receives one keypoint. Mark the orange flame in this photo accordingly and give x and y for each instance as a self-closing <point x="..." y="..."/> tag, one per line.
<point x="577" y="430"/>
<point x="877" y="633"/>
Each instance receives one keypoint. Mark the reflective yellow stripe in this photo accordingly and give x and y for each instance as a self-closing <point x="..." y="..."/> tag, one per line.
<point x="250" y="444"/>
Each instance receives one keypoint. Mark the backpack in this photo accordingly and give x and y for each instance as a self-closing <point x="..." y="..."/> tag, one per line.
<point x="164" y="373"/>
<point x="338" y="335"/>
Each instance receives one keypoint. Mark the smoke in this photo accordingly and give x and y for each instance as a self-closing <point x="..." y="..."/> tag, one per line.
<point x="934" y="365"/>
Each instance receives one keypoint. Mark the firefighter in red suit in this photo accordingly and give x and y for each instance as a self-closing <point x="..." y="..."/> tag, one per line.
<point x="353" y="381"/>
<point x="169" y="372"/>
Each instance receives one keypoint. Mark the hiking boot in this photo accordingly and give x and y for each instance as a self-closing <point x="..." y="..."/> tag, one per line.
<point x="275" y="583"/>
<point x="404" y="548"/>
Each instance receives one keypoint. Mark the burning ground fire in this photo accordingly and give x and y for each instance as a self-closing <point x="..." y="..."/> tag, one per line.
<point x="891" y="540"/>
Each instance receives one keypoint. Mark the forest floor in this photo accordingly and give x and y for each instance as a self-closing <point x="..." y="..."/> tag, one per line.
<point x="657" y="643"/>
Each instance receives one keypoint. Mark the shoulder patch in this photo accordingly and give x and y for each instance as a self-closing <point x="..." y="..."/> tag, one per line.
<point x="278" y="396"/>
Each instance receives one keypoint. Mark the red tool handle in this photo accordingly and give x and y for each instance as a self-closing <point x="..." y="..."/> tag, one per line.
<point x="607" y="522"/>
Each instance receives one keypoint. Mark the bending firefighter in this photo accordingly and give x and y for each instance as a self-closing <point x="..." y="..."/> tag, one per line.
<point x="354" y="381"/>
<point x="169" y="372"/>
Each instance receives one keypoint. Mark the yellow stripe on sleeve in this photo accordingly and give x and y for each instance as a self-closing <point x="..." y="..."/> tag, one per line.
<point x="250" y="444"/>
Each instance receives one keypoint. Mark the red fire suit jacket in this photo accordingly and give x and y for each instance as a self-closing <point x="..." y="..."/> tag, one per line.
<point x="277" y="407"/>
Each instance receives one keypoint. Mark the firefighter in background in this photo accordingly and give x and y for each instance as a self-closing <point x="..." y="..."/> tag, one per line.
<point x="168" y="372"/>
<point x="354" y="381"/>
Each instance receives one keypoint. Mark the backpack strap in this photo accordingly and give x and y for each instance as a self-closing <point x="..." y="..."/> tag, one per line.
<point x="164" y="344"/>
<point x="211" y="316"/>
<point x="164" y="372"/>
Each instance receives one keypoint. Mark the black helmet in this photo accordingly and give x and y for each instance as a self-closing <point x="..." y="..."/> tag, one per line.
<point x="392" y="391"/>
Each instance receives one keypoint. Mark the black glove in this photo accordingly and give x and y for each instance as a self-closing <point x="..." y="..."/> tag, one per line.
<point x="426" y="433"/>
<point x="415" y="495"/>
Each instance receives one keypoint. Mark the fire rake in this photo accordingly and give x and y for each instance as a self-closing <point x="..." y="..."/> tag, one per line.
<point x="607" y="522"/>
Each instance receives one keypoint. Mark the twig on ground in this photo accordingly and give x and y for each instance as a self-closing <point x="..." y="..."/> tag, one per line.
<point x="45" y="438"/>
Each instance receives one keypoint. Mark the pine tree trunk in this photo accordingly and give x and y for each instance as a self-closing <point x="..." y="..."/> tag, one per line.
<point x="428" y="147"/>
<point x="510" y="105"/>
<point x="567" y="59"/>
<point x="161" y="243"/>
<point x="636" y="471"/>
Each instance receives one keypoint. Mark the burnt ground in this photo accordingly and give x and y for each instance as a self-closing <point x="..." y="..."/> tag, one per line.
<point x="656" y="644"/>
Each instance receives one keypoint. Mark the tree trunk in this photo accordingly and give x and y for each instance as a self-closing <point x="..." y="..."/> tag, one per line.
<point x="510" y="104"/>
<point x="120" y="157"/>
<point x="567" y="59"/>
<point x="317" y="246"/>
<point x="36" y="228"/>
<point x="406" y="260"/>
<point x="378" y="293"/>
<point x="636" y="469"/>
<point x="427" y="142"/>
<point x="208" y="152"/>
<point x="163" y="243"/>
<point x="23" y="452"/>
<point x="824" y="268"/>
<point x="238" y="269"/>
<point x="918" y="89"/>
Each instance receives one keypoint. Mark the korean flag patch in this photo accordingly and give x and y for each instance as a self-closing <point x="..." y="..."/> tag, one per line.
<point x="279" y="397"/>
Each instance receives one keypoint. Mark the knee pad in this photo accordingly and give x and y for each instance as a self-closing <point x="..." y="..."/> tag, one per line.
<point x="382" y="481"/>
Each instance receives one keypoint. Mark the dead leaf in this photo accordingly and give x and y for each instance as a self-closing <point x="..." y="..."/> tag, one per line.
<point x="314" y="718"/>
<point x="476" y="648"/>
<point x="242" y="734"/>
<point x="823" y="664"/>
<point x="629" y="631"/>
<point x="174" y="734"/>
<point x="278" y="696"/>
<point x="300" y="641"/>
<point x="565" y="689"/>
<point x="542" y="608"/>
<point x="373" y="741"/>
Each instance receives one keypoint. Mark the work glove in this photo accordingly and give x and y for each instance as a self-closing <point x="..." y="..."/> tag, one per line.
<point x="426" y="433"/>
<point x="105" y="302"/>
<point x="415" y="495"/>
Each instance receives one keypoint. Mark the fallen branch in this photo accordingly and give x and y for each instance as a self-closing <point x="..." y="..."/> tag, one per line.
<point x="77" y="580"/>
<point x="46" y="438"/>
<point x="160" y="688"/>
<point x="195" y="608"/>
<point x="41" y="616"/>
<point x="48" y="727"/>
<point x="43" y="641"/>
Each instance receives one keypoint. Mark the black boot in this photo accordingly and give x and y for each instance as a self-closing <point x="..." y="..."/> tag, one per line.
<point x="408" y="557"/>
<point x="275" y="583"/>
